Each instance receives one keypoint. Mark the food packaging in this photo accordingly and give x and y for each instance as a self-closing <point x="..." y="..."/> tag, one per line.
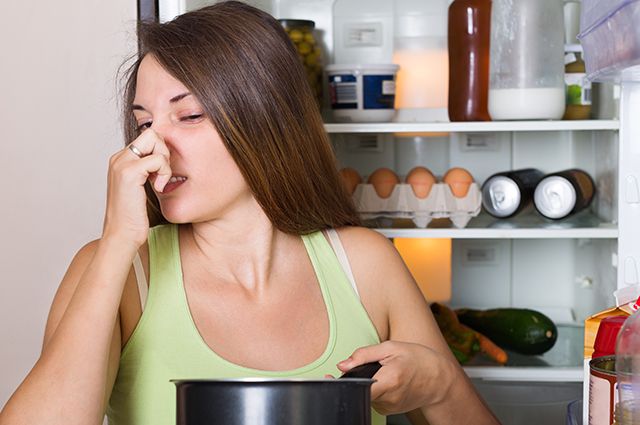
<point x="403" y="203"/>
<point x="362" y="92"/>
<point x="592" y="323"/>
<point x="605" y="342"/>
<point x="602" y="390"/>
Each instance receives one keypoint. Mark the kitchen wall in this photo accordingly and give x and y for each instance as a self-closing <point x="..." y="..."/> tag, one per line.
<point x="59" y="124"/>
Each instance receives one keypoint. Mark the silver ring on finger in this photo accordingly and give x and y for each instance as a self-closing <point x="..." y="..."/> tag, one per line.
<point x="135" y="150"/>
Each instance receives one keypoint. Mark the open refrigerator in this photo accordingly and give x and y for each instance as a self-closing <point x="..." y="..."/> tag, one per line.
<point x="566" y="269"/>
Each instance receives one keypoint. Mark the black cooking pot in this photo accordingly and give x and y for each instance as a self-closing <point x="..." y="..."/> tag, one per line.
<point x="344" y="401"/>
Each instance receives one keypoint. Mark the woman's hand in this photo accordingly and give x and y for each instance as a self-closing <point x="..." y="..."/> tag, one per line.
<point x="126" y="215"/>
<point x="412" y="375"/>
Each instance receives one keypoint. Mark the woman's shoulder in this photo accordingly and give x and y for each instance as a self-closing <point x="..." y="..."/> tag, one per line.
<point x="378" y="271"/>
<point x="363" y="244"/>
<point x="87" y="250"/>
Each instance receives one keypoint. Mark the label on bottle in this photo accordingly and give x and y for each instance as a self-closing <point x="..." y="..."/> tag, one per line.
<point x="578" y="88"/>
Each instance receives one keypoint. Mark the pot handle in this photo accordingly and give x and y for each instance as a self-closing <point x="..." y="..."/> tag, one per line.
<point x="366" y="370"/>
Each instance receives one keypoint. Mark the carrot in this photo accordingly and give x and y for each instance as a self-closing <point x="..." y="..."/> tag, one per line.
<point x="489" y="347"/>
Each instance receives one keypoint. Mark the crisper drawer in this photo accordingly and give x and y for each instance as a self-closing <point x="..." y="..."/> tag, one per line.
<point x="610" y="37"/>
<point x="529" y="403"/>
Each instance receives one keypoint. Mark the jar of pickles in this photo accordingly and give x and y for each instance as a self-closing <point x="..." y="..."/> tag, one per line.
<point x="309" y="50"/>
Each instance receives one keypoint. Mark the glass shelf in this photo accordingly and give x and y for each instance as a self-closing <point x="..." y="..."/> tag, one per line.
<point x="471" y="127"/>
<point x="564" y="362"/>
<point x="523" y="226"/>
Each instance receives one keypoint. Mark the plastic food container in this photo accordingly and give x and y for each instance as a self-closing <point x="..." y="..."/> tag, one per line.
<point x="610" y="36"/>
<point x="402" y="203"/>
<point x="526" y="69"/>
<point x="363" y="92"/>
<point x="605" y="343"/>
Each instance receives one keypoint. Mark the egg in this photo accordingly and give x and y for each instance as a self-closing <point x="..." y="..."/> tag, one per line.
<point x="350" y="179"/>
<point x="383" y="181"/>
<point x="459" y="181"/>
<point x="421" y="181"/>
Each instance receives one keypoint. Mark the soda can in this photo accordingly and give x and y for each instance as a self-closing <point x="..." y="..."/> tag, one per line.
<point x="564" y="193"/>
<point x="506" y="194"/>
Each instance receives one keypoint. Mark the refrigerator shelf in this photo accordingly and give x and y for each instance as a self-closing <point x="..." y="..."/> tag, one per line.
<point x="563" y="363"/>
<point x="527" y="226"/>
<point x="526" y="374"/>
<point x="471" y="127"/>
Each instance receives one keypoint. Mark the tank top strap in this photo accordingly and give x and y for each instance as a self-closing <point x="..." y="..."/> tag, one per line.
<point x="341" y="254"/>
<point x="165" y="276"/>
<point x="345" y="301"/>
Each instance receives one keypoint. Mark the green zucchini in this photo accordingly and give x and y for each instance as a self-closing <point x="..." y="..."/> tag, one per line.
<point x="518" y="329"/>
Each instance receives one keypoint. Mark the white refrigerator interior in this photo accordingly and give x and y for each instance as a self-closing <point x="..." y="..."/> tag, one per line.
<point x="566" y="269"/>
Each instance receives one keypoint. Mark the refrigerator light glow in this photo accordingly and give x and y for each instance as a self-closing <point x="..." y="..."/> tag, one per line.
<point x="429" y="261"/>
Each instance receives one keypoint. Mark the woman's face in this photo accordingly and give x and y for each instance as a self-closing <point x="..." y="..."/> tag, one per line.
<point x="213" y="184"/>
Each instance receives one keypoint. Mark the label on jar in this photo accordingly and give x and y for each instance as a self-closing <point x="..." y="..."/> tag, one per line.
<point x="578" y="88"/>
<point x="343" y="90"/>
<point x="379" y="91"/>
<point x="603" y="396"/>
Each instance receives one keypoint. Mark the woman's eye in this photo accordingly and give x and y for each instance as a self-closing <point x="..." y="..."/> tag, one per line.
<point x="193" y="117"/>
<point x="144" y="126"/>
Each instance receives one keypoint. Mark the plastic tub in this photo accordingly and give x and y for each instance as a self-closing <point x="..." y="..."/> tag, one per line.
<point x="362" y="92"/>
<point x="610" y="37"/>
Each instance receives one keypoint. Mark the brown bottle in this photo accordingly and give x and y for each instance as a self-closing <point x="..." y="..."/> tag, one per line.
<point x="469" y="34"/>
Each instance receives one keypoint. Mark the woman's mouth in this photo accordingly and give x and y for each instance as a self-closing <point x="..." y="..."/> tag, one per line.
<point x="173" y="184"/>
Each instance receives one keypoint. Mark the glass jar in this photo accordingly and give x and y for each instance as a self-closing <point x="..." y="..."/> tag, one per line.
<point x="526" y="77"/>
<point x="310" y="52"/>
<point x="578" y="89"/>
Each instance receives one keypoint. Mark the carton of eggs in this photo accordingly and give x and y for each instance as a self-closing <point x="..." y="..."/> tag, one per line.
<point x="420" y="198"/>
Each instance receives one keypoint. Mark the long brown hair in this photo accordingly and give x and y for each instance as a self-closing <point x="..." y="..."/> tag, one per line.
<point x="240" y="64"/>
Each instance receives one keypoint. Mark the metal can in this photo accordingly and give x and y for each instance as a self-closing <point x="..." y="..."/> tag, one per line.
<point x="564" y="193"/>
<point x="506" y="194"/>
<point x="602" y="390"/>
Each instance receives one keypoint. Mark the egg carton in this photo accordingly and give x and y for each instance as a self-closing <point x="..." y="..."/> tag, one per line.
<point x="403" y="203"/>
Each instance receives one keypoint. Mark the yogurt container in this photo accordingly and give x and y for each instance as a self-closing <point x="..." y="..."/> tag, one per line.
<point x="362" y="92"/>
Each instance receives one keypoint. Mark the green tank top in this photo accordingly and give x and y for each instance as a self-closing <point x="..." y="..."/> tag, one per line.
<point x="166" y="344"/>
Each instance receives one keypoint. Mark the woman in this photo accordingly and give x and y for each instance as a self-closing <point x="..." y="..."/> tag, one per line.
<point x="241" y="241"/>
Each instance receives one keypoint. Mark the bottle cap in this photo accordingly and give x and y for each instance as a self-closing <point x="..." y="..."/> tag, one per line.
<point x="605" y="343"/>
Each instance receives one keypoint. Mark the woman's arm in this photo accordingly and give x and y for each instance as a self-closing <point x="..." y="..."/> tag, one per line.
<point x="72" y="380"/>
<point x="420" y="371"/>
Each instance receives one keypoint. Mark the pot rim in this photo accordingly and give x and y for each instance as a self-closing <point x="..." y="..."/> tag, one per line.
<point x="272" y="380"/>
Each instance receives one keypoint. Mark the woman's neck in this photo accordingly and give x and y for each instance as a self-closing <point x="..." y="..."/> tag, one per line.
<point x="239" y="248"/>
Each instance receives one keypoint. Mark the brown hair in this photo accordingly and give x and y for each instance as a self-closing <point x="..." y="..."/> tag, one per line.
<point x="240" y="64"/>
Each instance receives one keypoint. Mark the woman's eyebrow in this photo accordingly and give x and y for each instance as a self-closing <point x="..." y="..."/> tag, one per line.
<point x="174" y="99"/>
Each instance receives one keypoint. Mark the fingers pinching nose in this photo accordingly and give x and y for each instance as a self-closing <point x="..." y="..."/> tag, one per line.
<point x="135" y="150"/>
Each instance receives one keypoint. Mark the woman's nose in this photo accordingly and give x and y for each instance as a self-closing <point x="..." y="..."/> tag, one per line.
<point x="164" y="131"/>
